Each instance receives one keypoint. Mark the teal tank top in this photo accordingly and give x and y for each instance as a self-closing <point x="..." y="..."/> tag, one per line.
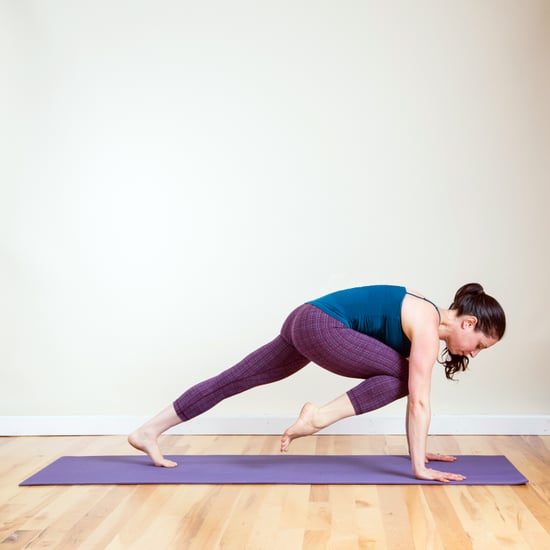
<point x="372" y="310"/>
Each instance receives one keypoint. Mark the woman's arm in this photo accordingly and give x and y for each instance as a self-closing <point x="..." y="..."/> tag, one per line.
<point x="418" y="418"/>
<point x="424" y="349"/>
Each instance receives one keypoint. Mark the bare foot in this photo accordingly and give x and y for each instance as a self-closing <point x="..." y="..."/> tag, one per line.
<point x="304" y="425"/>
<point x="147" y="443"/>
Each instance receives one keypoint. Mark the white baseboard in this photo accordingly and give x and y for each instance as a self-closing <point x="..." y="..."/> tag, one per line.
<point x="207" y="425"/>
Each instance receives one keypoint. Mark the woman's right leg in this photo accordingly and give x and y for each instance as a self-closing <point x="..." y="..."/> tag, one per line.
<point x="333" y="346"/>
<point x="145" y="438"/>
<point x="270" y="363"/>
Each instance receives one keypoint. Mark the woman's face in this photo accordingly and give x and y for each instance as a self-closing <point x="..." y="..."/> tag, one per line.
<point x="466" y="340"/>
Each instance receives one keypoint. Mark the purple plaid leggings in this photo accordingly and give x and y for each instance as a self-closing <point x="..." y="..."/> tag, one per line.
<point x="309" y="335"/>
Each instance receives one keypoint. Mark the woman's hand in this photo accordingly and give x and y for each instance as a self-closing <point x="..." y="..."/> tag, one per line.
<point x="439" y="458"/>
<point x="436" y="475"/>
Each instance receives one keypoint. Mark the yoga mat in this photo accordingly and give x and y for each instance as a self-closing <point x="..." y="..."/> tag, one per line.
<point x="269" y="469"/>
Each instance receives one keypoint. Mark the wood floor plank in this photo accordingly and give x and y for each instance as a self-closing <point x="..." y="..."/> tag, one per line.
<point x="423" y="523"/>
<point x="344" y="531"/>
<point x="315" y="539"/>
<point x="368" y="510"/>
<point x="47" y="520"/>
<point x="395" y="517"/>
<point x="536" y="505"/>
<point x="209" y="517"/>
<point x="242" y="516"/>
<point x="444" y="515"/>
<point x="266" y="527"/>
<point x="117" y="511"/>
<point x="295" y="510"/>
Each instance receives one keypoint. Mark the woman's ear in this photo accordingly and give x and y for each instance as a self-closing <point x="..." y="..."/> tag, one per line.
<point x="469" y="321"/>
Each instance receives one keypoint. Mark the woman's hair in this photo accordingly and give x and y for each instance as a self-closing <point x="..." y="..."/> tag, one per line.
<point x="471" y="299"/>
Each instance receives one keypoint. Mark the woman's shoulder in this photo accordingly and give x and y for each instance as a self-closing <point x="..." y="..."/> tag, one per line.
<point x="419" y="315"/>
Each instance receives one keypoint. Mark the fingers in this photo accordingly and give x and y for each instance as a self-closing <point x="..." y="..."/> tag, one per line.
<point x="436" y="475"/>
<point x="439" y="457"/>
<point x="447" y="458"/>
<point x="448" y="476"/>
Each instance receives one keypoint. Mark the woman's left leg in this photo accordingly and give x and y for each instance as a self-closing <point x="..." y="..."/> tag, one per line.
<point x="339" y="349"/>
<point x="371" y="394"/>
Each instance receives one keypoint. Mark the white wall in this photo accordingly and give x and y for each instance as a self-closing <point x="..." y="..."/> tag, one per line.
<point x="176" y="176"/>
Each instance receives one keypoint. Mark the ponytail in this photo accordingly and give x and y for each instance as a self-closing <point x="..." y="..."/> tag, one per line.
<point x="471" y="299"/>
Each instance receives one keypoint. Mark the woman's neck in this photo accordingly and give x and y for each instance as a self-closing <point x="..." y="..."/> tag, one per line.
<point x="448" y="317"/>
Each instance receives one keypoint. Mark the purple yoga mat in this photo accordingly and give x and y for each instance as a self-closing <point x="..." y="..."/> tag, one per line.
<point x="268" y="469"/>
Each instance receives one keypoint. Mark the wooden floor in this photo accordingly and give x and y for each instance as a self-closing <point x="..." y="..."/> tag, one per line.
<point x="281" y="517"/>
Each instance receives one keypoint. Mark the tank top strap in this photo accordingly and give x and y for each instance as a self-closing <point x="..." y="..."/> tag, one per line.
<point x="426" y="300"/>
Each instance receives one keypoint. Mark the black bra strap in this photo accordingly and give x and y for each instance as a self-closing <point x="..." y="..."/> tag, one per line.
<point x="426" y="300"/>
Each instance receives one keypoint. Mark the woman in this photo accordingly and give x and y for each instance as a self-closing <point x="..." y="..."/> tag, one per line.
<point x="386" y="335"/>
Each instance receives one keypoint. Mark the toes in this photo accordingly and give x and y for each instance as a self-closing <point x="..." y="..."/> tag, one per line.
<point x="285" y="442"/>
